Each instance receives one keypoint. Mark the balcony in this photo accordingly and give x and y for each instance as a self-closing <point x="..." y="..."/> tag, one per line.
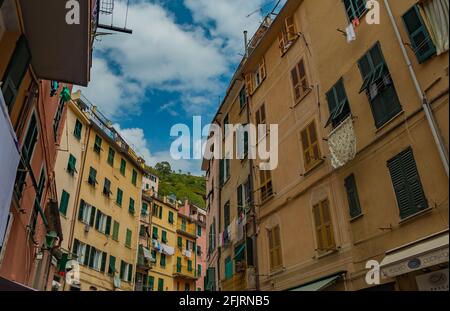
<point x="61" y="48"/>
<point x="183" y="272"/>
<point x="144" y="261"/>
<point x="187" y="228"/>
<point x="236" y="283"/>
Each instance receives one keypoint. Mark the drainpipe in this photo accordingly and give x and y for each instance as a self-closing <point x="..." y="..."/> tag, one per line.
<point x="425" y="103"/>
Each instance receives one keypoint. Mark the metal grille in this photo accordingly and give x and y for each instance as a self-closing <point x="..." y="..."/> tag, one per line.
<point x="107" y="6"/>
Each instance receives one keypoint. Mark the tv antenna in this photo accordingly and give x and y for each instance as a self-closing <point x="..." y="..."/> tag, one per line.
<point x="106" y="7"/>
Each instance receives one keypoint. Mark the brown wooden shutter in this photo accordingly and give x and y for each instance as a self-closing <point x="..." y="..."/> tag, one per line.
<point x="302" y="76"/>
<point x="262" y="69"/>
<point x="290" y="28"/>
<point x="282" y="42"/>
<point x="249" y="83"/>
<point x="296" y="83"/>
<point x="310" y="143"/>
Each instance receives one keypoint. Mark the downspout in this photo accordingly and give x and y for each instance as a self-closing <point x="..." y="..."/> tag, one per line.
<point x="425" y="103"/>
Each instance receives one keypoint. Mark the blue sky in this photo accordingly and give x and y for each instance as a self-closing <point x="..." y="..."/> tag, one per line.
<point x="176" y="64"/>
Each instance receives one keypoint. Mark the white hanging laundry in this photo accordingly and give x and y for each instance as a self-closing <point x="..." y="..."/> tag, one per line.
<point x="166" y="249"/>
<point x="342" y="143"/>
<point x="9" y="161"/>
<point x="351" y="34"/>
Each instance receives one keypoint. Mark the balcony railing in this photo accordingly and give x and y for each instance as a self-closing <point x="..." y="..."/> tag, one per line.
<point x="236" y="283"/>
<point x="183" y="271"/>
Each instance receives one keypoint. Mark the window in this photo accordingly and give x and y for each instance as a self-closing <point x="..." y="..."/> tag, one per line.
<point x="162" y="261"/>
<point x="419" y="36"/>
<point x="199" y="270"/>
<point x="142" y="231"/>
<point x="155" y="210"/>
<point x="243" y="200"/>
<point x="151" y="283"/>
<point x="224" y="171"/>
<point x="160" y="285"/>
<point x="299" y="81"/>
<point x="199" y="230"/>
<point x="107" y="187"/>
<point x="155" y="233"/>
<point x="134" y="178"/>
<point x="355" y="9"/>
<point x="92" y="179"/>
<point x="226" y="122"/>
<point x="128" y="238"/>
<point x="103" y="223"/>
<point x="144" y="211"/>
<point x="38" y="201"/>
<point x="164" y="236"/>
<point x="123" y="166"/>
<point x="78" y="129"/>
<point x="111" y="155"/>
<point x="353" y="197"/>
<point x="243" y="98"/>
<point x="324" y="226"/>
<point x="228" y="268"/>
<point x="160" y="212"/>
<point x="86" y="213"/>
<point x="255" y="79"/>
<point x="64" y="203"/>
<point x="180" y="242"/>
<point x="28" y="147"/>
<point x="265" y="181"/>
<point x="97" y="259"/>
<point x="119" y="198"/>
<point x="183" y="224"/>
<point x="407" y="184"/>
<point x="15" y="71"/>
<point x="189" y="265"/>
<point x="126" y="271"/>
<point x="338" y="104"/>
<point x="58" y="116"/>
<point x="275" y="255"/>
<point x="131" y="207"/>
<point x="379" y="86"/>
<point x="171" y="220"/>
<point x="98" y="144"/>
<point x="261" y="120"/>
<point x="288" y="35"/>
<point x="310" y="143"/>
<point x="179" y="265"/>
<point x="116" y="228"/>
<point x="112" y="265"/>
<point x="71" y="165"/>
<point x="226" y="214"/>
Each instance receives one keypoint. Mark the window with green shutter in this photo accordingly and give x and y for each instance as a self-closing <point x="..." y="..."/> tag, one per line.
<point x="338" y="104"/>
<point x="151" y="283"/>
<point x="161" y="285"/>
<point x="144" y="211"/>
<point x="128" y="238"/>
<point x="199" y="230"/>
<point x="71" y="165"/>
<point x="123" y="166"/>
<point x="119" y="198"/>
<point x="162" y="261"/>
<point x="199" y="270"/>
<point x="64" y="203"/>
<point x="189" y="265"/>
<point x="112" y="265"/>
<point x="92" y="179"/>
<point x="243" y="98"/>
<point x="77" y="130"/>
<point x="407" y="184"/>
<point x="379" y="86"/>
<point x="131" y="207"/>
<point x="155" y="233"/>
<point x="355" y="9"/>
<point x="180" y="242"/>
<point x="164" y="236"/>
<point x="134" y="178"/>
<point x="130" y="273"/>
<point x="228" y="268"/>
<point x="122" y="269"/>
<point x="183" y="225"/>
<point x="421" y="41"/>
<point x="226" y="214"/>
<point x="111" y="155"/>
<point x="98" y="144"/>
<point x="160" y="212"/>
<point x="58" y="116"/>
<point x="352" y="197"/>
<point x="179" y="264"/>
<point x="115" y="234"/>
<point x="171" y="220"/>
<point x="15" y="72"/>
<point x="107" y="187"/>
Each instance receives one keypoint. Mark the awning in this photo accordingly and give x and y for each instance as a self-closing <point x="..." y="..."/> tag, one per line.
<point x="60" y="50"/>
<point x="425" y="253"/>
<point x="318" y="285"/>
<point x="7" y="285"/>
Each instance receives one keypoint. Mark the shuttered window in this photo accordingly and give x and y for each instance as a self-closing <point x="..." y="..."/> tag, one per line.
<point x="407" y="184"/>
<point x="64" y="203"/>
<point x="123" y="167"/>
<point x="77" y="130"/>
<point x="379" y="86"/>
<point x="243" y="99"/>
<point x="116" y="228"/>
<point x="131" y="209"/>
<point x="288" y="35"/>
<point x="111" y="155"/>
<point x="162" y="261"/>
<point x="164" y="236"/>
<point x="98" y="144"/>
<point x="92" y="179"/>
<point x="226" y="214"/>
<point x="171" y="220"/>
<point x="352" y="197"/>
<point x="151" y="283"/>
<point x="134" y="178"/>
<point x="119" y="198"/>
<point x="15" y="71"/>
<point x="228" y="268"/>
<point x="299" y="81"/>
<point x="310" y="143"/>
<point x="128" y="238"/>
<point x="265" y="182"/>
<point x="419" y="36"/>
<point x="355" y="8"/>
<point x="107" y="187"/>
<point x="255" y="79"/>
<point x="160" y="285"/>
<point x="338" y="104"/>
<point x="260" y="118"/>
<point x="71" y="165"/>
<point x="275" y="256"/>
<point x="324" y="226"/>
<point x="112" y="265"/>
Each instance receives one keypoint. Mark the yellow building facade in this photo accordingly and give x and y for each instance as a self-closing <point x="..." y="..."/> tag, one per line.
<point x="102" y="177"/>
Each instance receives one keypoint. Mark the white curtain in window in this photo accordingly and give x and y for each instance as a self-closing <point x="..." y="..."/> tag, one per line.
<point x="437" y="16"/>
<point x="342" y="144"/>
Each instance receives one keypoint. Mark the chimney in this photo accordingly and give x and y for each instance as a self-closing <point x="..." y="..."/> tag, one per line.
<point x="246" y="42"/>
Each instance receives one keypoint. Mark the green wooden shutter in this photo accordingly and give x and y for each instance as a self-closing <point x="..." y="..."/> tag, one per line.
<point x="180" y="242"/>
<point x="112" y="265"/>
<point x="171" y="221"/>
<point x="151" y="283"/>
<point x="81" y="210"/>
<point x="130" y="273"/>
<point x="240" y="200"/>
<point x="103" y="266"/>
<point x="226" y="212"/>
<point x="407" y="184"/>
<point x="162" y="261"/>
<point x="131" y="206"/>
<point x="420" y="38"/>
<point x="122" y="270"/>
<point x="161" y="285"/>
<point x="128" y="238"/>
<point x="87" y="255"/>
<point x="160" y="212"/>
<point x="164" y="236"/>
<point x="97" y="144"/>
<point x="76" y="244"/>
<point x="134" y="178"/>
<point x="119" y="197"/>
<point x="15" y="71"/>
<point x="77" y="130"/>
<point x="179" y="264"/>
<point x="123" y="166"/>
<point x="91" y="221"/>
<point x="64" y="203"/>
<point x="108" y="225"/>
<point x="97" y="220"/>
<point x="222" y="171"/>
<point x="228" y="268"/>
<point x="155" y="233"/>
<point x="352" y="196"/>
<point x="116" y="231"/>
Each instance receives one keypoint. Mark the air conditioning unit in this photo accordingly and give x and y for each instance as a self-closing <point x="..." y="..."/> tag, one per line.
<point x="87" y="228"/>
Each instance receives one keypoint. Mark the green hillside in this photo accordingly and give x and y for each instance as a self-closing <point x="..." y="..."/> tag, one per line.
<point x="183" y="186"/>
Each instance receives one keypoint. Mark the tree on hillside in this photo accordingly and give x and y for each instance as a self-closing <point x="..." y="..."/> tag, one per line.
<point x="163" y="168"/>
